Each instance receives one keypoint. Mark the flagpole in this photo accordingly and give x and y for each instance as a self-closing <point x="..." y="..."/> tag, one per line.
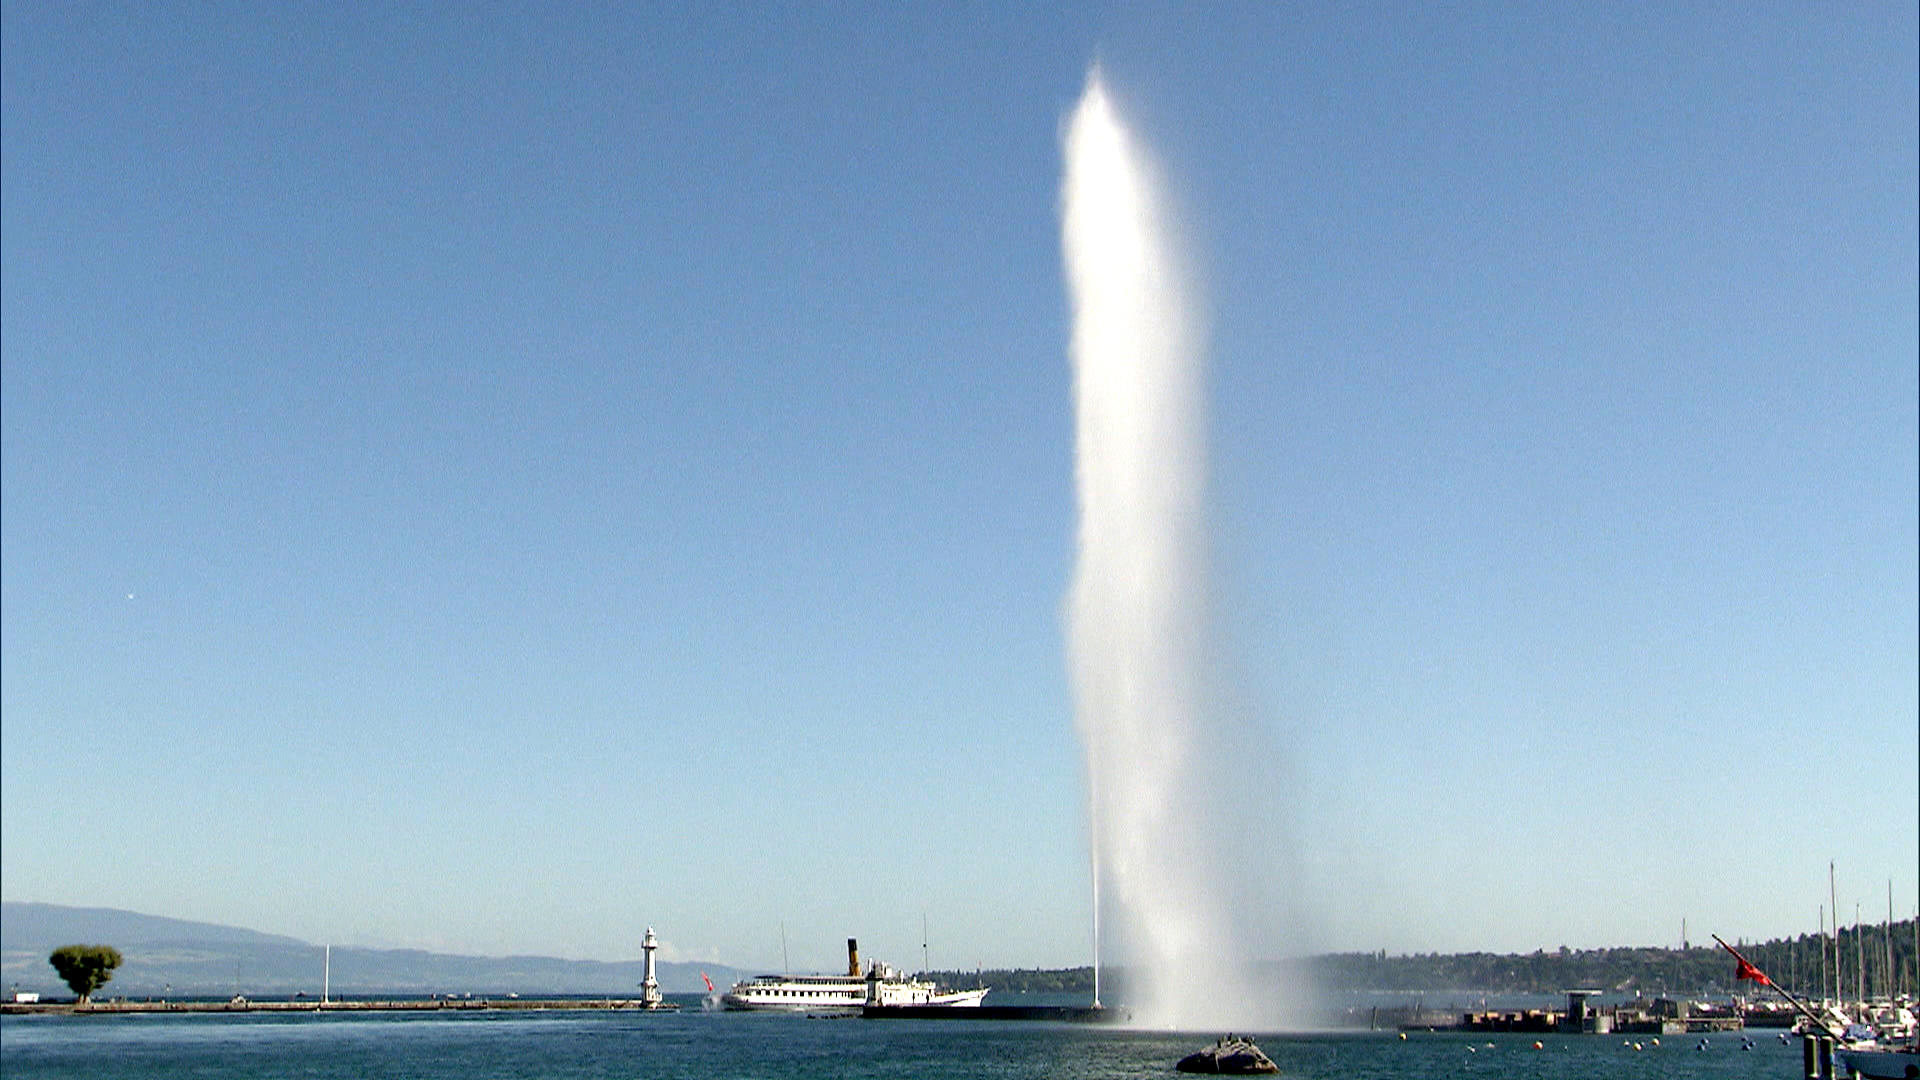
<point x="1748" y="965"/>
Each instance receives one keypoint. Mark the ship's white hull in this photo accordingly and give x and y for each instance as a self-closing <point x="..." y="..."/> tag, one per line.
<point x="742" y="1003"/>
<point x="823" y="994"/>
<point x="955" y="999"/>
<point x="850" y="993"/>
<point x="828" y="994"/>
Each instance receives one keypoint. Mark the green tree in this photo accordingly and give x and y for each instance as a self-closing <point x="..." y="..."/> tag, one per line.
<point x="85" y="968"/>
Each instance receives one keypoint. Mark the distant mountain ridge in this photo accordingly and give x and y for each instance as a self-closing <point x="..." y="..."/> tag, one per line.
<point x="183" y="957"/>
<point x="29" y="924"/>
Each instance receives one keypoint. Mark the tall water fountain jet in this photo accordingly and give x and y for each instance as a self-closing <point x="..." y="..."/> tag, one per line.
<point x="1173" y="891"/>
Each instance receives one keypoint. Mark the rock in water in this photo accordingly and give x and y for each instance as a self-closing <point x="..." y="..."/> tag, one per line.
<point x="1231" y="1056"/>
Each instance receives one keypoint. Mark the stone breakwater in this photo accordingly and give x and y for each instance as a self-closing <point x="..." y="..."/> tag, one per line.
<point x="242" y="1005"/>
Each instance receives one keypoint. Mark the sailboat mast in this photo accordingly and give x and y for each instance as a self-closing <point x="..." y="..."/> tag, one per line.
<point x="1833" y="897"/>
<point x="1886" y="935"/>
<point x="1824" y="955"/>
<point x="1859" y="958"/>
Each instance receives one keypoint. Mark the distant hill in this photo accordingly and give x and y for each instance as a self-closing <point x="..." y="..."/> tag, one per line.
<point x="193" y="958"/>
<point x="33" y="925"/>
<point x="1792" y="962"/>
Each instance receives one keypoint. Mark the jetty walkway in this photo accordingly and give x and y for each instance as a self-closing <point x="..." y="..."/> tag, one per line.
<point x="243" y="1005"/>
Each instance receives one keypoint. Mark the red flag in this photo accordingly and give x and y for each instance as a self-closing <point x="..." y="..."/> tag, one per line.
<point x="709" y="982"/>
<point x="1745" y="970"/>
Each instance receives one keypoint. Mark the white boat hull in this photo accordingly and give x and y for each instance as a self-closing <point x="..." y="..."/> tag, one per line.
<point x="850" y="993"/>
<point x="814" y="994"/>
<point x="1882" y="1064"/>
<point x="827" y="994"/>
<point x="737" y="1003"/>
<point x="955" y="999"/>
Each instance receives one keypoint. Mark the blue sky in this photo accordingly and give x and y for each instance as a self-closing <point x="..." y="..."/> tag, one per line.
<point x="489" y="478"/>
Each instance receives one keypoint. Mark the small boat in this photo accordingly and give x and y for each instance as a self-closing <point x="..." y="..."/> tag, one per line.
<point x="1233" y="1055"/>
<point x="1883" y="1063"/>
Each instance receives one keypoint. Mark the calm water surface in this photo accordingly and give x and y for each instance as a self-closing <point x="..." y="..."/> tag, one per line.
<point x="709" y="1046"/>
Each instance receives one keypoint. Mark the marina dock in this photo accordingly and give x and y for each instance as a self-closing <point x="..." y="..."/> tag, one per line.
<point x="1659" y="1016"/>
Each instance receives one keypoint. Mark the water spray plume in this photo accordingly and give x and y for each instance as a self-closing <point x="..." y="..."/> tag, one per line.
<point x="1168" y="879"/>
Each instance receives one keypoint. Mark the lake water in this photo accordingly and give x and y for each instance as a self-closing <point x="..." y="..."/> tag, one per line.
<point x="695" y="1045"/>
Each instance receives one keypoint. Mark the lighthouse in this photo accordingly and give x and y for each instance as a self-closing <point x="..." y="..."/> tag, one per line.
<point x="650" y="987"/>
